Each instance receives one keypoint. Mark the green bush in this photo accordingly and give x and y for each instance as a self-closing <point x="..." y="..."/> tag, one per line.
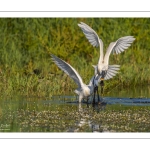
<point x="26" y="44"/>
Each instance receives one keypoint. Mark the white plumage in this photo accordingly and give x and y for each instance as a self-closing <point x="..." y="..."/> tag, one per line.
<point x="117" y="47"/>
<point x="83" y="90"/>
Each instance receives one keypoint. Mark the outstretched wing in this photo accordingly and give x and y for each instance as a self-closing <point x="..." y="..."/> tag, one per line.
<point x="119" y="46"/>
<point x="90" y="34"/>
<point x="112" y="71"/>
<point x="122" y="44"/>
<point x="92" y="37"/>
<point x="68" y="69"/>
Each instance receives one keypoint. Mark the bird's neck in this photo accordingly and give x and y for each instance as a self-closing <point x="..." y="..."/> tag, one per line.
<point x="101" y="50"/>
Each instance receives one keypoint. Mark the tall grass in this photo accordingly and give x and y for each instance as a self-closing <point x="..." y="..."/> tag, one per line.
<point x="26" y="44"/>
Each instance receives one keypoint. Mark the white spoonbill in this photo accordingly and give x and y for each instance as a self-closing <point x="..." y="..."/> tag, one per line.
<point x="103" y="64"/>
<point x="83" y="90"/>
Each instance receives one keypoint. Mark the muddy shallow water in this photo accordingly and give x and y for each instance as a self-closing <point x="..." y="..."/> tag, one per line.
<point x="124" y="111"/>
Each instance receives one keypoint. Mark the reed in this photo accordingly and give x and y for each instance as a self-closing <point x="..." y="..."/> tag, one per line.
<point x="26" y="44"/>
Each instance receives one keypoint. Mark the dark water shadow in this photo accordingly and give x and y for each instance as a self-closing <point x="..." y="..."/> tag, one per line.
<point x="106" y="100"/>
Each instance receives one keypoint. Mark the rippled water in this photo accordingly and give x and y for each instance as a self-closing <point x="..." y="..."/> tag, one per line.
<point x="63" y="113"/>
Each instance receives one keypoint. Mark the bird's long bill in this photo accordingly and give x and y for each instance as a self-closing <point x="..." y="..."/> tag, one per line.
<point x="103" y="74"/>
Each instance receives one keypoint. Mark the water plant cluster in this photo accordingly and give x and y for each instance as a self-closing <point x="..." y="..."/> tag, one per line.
<point x="26" y="44"/>
<point x="48" y="117"/>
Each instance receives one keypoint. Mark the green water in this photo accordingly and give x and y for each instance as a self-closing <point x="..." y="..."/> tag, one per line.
<point x="37" y="114"/>
<point x="133" y="92"/>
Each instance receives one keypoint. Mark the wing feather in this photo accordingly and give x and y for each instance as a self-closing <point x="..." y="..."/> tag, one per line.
<point x="92" y="37"/>
<point x="123" y="43"/>
<point x="90" y="34"/>
<point x="119" y="46"/>
<point x="107" y="76"/>
<point x="112" y="71"/>
<point x="68" y="69"/>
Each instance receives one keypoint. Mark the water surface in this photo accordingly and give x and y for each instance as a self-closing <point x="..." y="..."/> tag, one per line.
<point x="124" y="111"/>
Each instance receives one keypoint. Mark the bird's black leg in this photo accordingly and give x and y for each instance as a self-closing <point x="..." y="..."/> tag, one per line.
<point x="98" y="96"/>
<point x="95" y="88"/>
<point x="102" y="87"/>
<point x="87" y="100"/>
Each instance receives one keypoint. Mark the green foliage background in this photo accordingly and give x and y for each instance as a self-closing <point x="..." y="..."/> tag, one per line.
<point x="26" y="44"/>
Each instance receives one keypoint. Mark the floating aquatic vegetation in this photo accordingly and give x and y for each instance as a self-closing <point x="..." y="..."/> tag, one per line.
<point x="66" y="117"/>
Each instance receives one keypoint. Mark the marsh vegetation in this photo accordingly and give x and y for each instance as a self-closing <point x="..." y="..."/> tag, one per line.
<point x="26" y="44"/>
<point x="26" y="70"/>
